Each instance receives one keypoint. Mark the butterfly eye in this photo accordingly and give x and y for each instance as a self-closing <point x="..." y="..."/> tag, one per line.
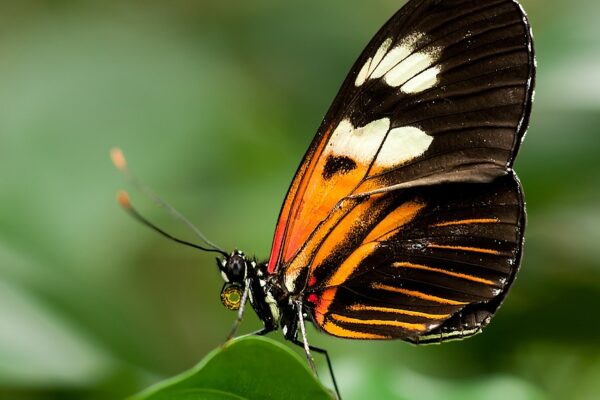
<point x="231" y="297"/>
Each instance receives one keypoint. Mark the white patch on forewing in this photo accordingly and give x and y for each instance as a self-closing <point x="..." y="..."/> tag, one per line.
<point x="363" y="74"/>
<point x="381" y="52"/>
<point x="396" y="55"/>
<point x="359" y="144"/>
<point x="401" y="145"/>
<point x="372" y="62"/>
<point x="404" y="49"/>
<point x="425" y="80"/>
<point x="410" y="67"/>
<point x="403" y="65"/>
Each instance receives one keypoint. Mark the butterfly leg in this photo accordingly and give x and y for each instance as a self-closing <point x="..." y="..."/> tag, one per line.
<point x="308" y="348"/>
<point x="329" y="365"/>
<point x="240" y="314"/>
<point x="304" y="342"/>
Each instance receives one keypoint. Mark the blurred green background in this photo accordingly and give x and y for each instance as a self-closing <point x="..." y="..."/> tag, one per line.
<point x="214" y="103"/>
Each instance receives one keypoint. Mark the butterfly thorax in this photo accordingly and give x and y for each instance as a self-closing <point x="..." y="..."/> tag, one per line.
<point x="265" y="293"/>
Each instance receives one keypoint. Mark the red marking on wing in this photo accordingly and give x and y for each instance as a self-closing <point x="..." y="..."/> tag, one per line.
<point x="312" y="298"/>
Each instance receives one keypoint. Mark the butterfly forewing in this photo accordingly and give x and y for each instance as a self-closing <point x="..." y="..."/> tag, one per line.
<point x="441" y="94"/>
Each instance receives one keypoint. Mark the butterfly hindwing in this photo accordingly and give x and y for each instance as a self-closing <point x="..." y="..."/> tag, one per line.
<point x="441" y="94"/>
<point x="434" y="264"/>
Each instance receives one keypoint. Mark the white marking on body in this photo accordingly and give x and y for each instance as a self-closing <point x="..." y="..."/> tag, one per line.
<point x="270" y="300"/>
<point x="425" y="80"/>
<point x="359" y="144"/>
<point x="411" y="66"/>
<point x="401" y="145"/>
<point x="224" y="276"/>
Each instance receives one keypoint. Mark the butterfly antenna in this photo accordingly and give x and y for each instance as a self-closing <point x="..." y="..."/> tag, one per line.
<point x="123" y="200"/>
<point x="118" y="159"/>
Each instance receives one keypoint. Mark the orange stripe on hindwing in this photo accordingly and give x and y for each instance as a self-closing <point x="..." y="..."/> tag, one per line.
<point x="380" y="322"/>
<point x="391" y="223"/>
<point x="464" y="248"/>
<point x="443" y="271"/>
<point x="351" y="263"/>
<point x="360" y="307"/>
<point x="361" y="215"/>
<point x="394" y="221"/>
<point x="336" y="330"/>
<point x="419" y="295"/>
<point x="468" y="222"/>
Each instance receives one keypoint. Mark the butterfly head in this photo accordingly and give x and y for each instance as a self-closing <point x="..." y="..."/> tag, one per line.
<point x="234" y="268"/>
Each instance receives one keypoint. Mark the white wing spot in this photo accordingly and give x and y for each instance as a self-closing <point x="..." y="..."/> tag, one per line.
<point x="363" y="74"/>
<point x="396" y="55"/>
<point x="372" y="62"/>
<point x="410" y="67"/>
<point x="403" y="65"/>
<point x="359" y="144"/>
<point x="381" y="52"/>
<point x="402" y="144"/>
<point x="425" y="80"/>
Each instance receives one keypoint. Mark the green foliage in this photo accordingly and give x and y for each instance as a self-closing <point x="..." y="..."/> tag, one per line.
<point x="251" y="368"/>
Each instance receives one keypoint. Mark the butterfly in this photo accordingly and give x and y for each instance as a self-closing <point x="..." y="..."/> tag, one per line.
<point x="405" y="219"/>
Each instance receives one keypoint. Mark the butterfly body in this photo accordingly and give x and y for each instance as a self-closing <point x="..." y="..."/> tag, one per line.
<point x="271" y="302"/>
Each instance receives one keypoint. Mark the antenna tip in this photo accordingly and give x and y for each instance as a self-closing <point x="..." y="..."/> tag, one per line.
<point x="123" y="199"/>
<point x="118" y="158"/>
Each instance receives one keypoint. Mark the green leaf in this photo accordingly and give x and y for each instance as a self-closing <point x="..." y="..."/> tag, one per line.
<point x="250" y="368"/>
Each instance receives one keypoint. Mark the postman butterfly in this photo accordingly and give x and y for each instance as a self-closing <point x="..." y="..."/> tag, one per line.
<point x="405" y="219"/>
